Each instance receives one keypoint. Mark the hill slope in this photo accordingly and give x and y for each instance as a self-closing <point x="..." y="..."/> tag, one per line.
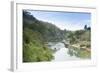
<point x="35" y="34"/>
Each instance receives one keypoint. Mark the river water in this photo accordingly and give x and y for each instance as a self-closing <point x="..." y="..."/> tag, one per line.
<point x="62" y="52"/>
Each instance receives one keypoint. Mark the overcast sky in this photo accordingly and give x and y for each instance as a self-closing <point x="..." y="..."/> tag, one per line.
<point x="64" y="20"/>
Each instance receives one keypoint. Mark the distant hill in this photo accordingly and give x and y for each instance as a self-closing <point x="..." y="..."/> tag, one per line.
<point x="48" y="31"/>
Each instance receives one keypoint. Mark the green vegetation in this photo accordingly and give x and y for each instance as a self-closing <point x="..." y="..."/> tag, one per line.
<point x="48" y="31"/>
<point x="80" y="43"/>
<point x="37" y="33"/>
<point x="79" y="52"/>
<point x="34" y="49"/>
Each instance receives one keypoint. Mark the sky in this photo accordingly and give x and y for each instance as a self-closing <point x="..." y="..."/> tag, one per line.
<point x="64" y="20"/>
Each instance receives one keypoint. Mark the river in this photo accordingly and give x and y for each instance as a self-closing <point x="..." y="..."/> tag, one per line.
<point x="62" y="52"/>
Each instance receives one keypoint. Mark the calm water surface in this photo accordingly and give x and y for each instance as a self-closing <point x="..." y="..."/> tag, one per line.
<point x="62" y="52"/>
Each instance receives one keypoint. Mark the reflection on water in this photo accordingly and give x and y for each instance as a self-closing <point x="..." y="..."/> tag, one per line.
<point x="62" y="52"/>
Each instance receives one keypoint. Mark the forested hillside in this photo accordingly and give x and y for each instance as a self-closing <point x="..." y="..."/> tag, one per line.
<point x="80" y="41"/>
<point x="35" y="34"/>
<point x="48" y="31"/>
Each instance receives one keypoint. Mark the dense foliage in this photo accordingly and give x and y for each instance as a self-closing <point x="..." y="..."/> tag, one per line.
<point x="35" y="34"/>
<point x="80" y="42"/>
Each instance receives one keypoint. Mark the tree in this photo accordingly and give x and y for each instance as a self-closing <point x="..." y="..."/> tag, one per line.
<point x="85" y="27"/>
<point x="89" y="28"/>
